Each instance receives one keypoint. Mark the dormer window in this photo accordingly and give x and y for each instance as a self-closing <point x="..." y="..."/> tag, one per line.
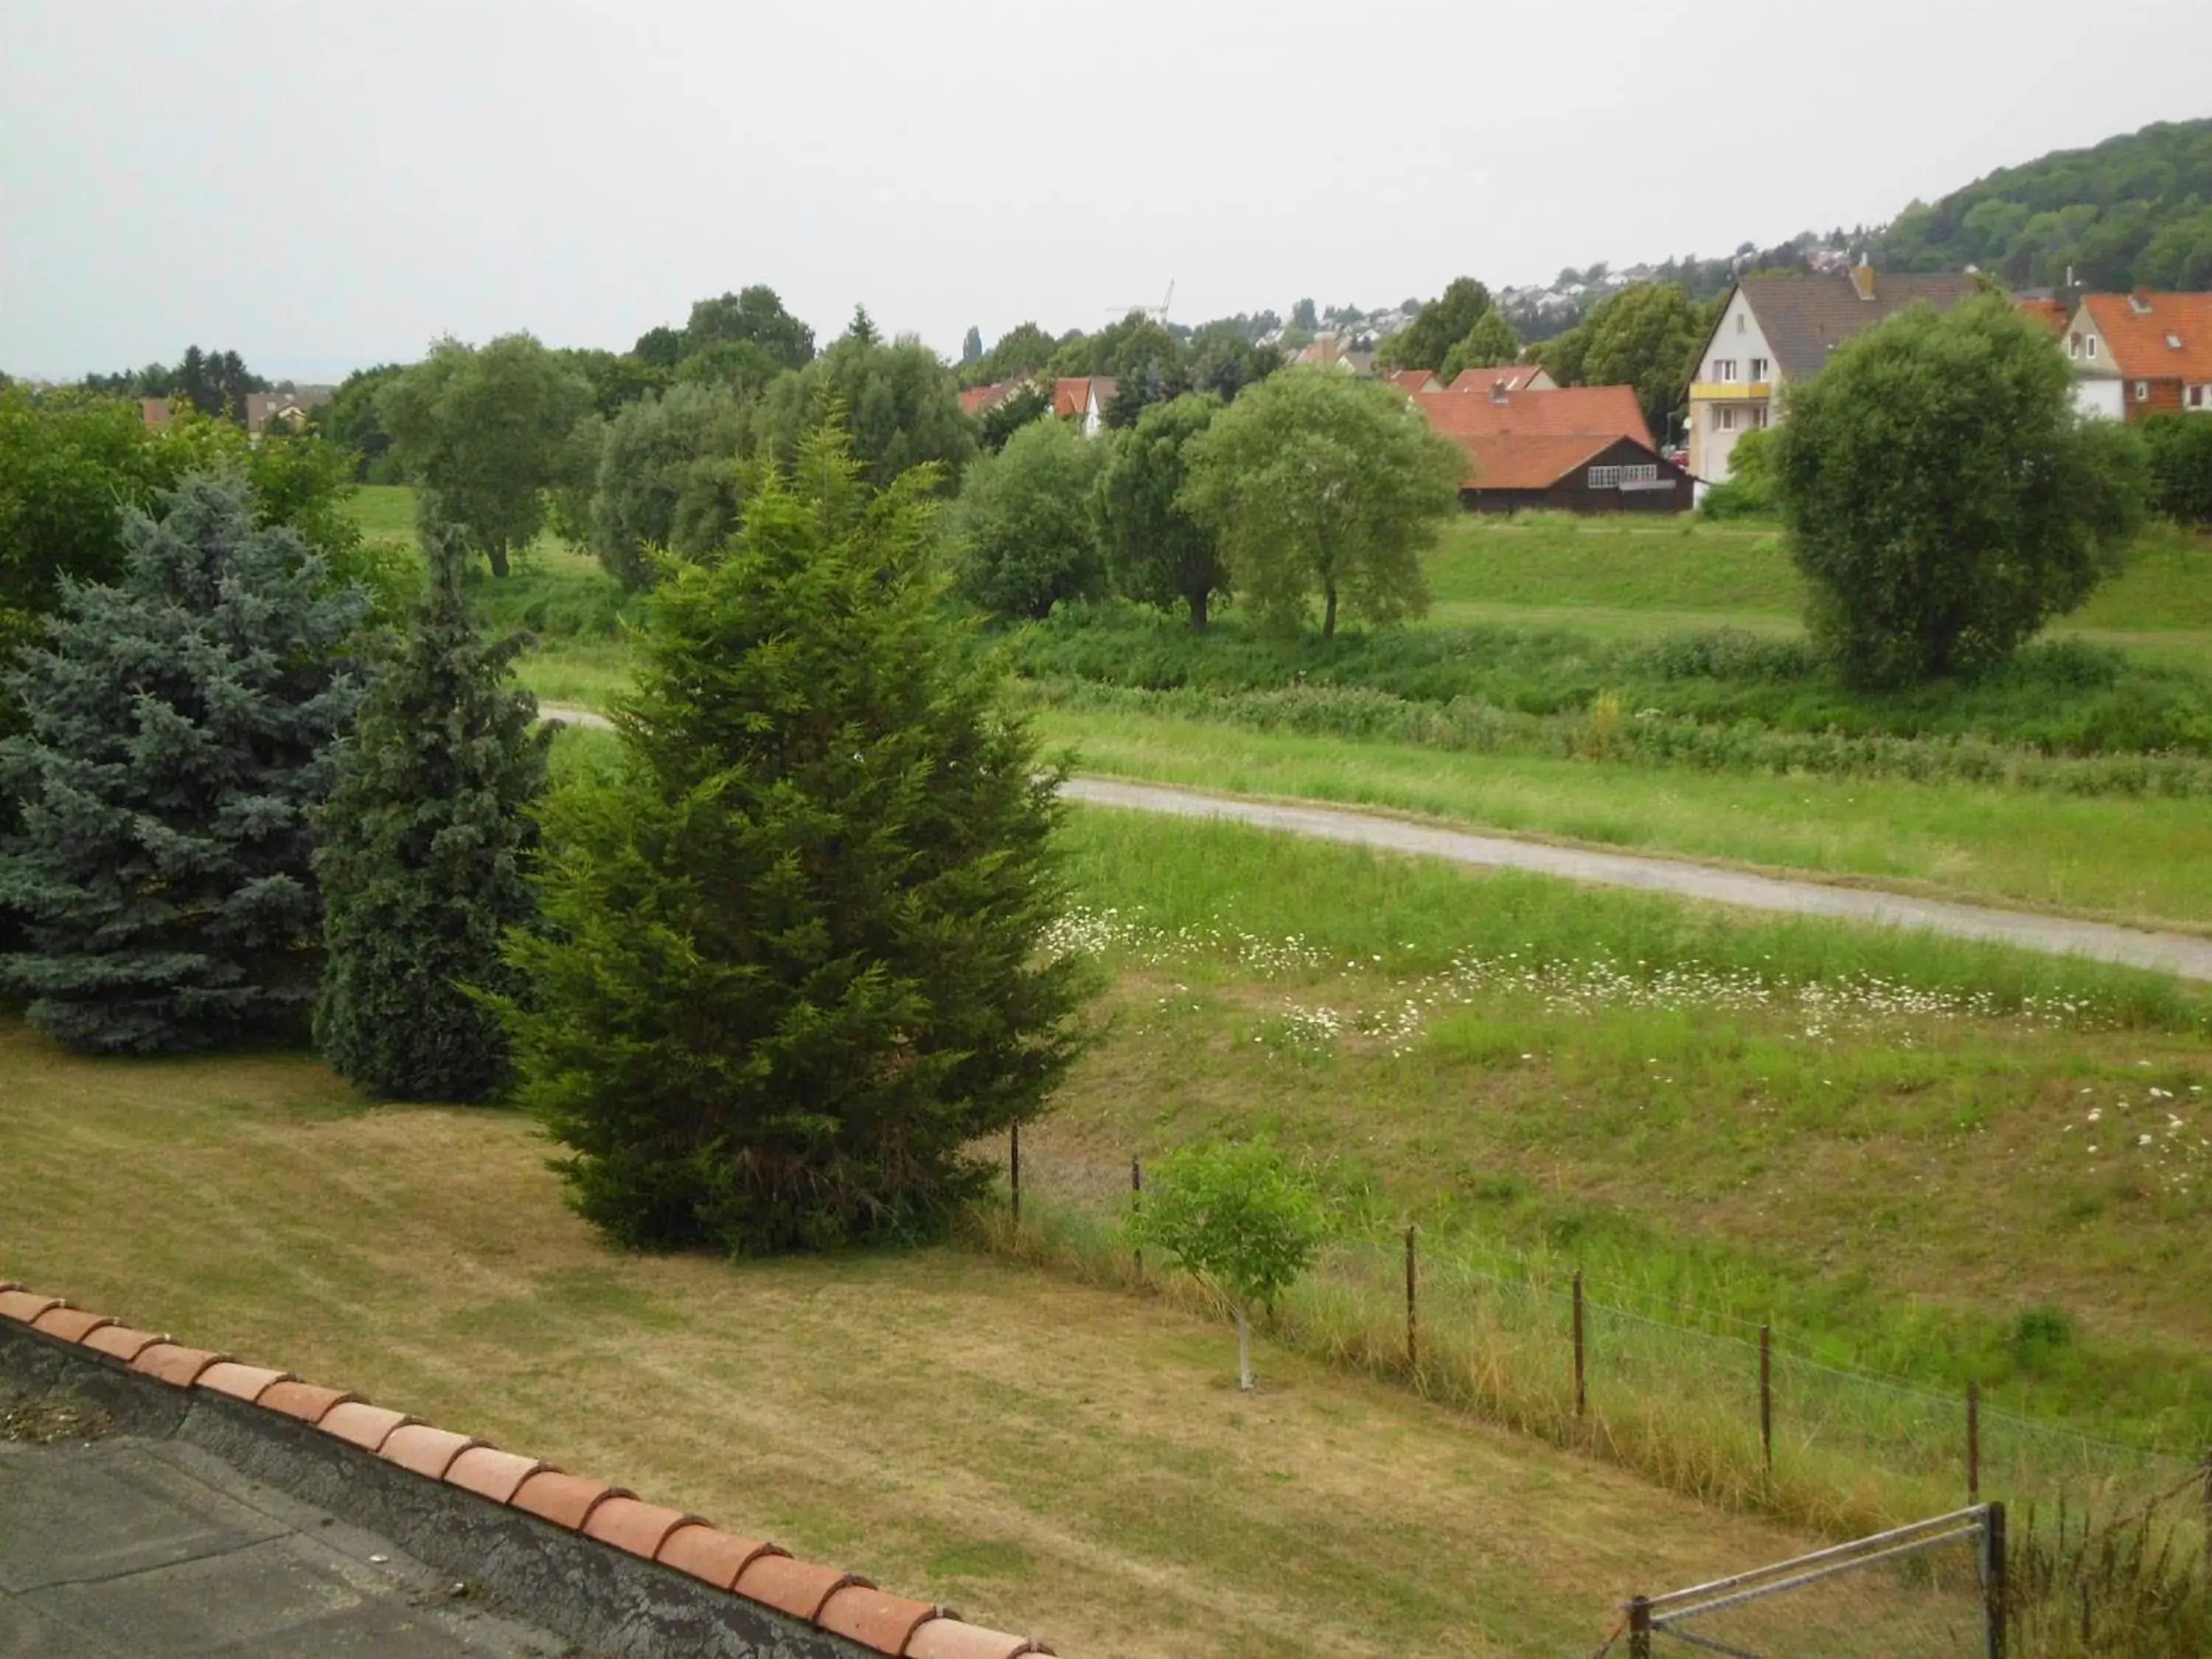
<point x="2138" y="304"/>
<point x="2173" y="342"/>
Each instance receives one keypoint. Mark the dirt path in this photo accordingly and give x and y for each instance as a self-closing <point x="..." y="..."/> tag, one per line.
<point x="2178" y="954"/>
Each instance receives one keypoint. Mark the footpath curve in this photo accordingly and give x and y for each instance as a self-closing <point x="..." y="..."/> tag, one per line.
<point x="2180" y="954"/>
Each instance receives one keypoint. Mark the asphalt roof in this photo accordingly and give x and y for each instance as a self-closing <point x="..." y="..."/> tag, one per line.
<point x="1805" y="318"/>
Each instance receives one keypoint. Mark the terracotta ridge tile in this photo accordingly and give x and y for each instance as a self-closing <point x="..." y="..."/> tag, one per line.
<point x="362" y="1425"/>
<point x="69" y="1324"/>
<point x="566" y="1500"/>
<point x="246" y="1383"/>
<point x="174" y="1363"/>
<point x="801" y="1589"/>
<point x="120" y="1341"/>
<point x="875" y="1618"/>
<point x="425" y="1450"/>
<point x="306" y="1401"/>
<point x="955" y="1638"/>
<point x="710" y="1554"/>
<point x="491" y="1473"/>
<point x="25" y="1307"/>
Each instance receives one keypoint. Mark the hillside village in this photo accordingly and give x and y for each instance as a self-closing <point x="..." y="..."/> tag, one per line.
<point x="1526" y="973"/>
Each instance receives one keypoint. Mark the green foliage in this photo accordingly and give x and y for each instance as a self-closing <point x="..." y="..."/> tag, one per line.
<point x="215" y="383"/>
<point x="2180" y="453"/>
<point x="425" y="855"/>
<point x="1647" y="337"/>
<point x="615" y="380"/>
<point x="1031" y="401"/>
<point x="1223" y="360"/>
<point x="755" y="315"/>
<point x="1442" y="324"/>
<point x="1489" y="343"/>
<point x="791" y="968"/>
<point x="353" y="420"/>
<point x="481" y="433"/>
<point x="1024" y="349"/>
<point x="1026" y="525"/>
<point x="972" y="346"/>
<point x="1943" y="498"/>
<point x="179" y="729"/>
<point x="1749" y="490"/>
<point x="664" y="466"/>
<point x="1240" y="1216"/>
<point x="1155" y="551"/>
<point x="2134" y="211"/>
<point x="902" y="405"/>
<point x="1316" y="480"/>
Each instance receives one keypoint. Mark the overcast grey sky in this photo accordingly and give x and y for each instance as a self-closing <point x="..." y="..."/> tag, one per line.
<point x="322" y="186"/>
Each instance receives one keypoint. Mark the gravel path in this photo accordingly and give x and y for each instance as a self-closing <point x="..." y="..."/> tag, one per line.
<point x="2181" y="954"/>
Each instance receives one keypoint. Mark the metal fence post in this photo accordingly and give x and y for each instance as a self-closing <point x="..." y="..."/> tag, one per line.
<point x="1766" y="1397"/>
<point x="1413" y="1315"/>
<point x="1973" y="1441"/>
<point x="1640" y="1628"/>
<point x="1582" y="1394"/>
<point x="1014" y="1169"/>
<point x="1993" y="1581"/>
<point x="1136" y="1197"/>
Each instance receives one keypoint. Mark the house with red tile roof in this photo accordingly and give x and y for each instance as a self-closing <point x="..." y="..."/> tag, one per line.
<point x="1575" y="449"/>
<point x="2138" y="354"/>
<point x="1511" y="377"/>
<point x="1084" y="398"/>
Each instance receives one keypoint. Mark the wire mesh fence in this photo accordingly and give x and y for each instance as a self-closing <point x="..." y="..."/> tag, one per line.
<point x="1709" y="1404"/>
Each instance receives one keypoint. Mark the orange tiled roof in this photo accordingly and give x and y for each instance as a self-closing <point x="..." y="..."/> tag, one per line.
<point x="2141" y="340"/>
<point x="1608" y="411"/>
<point x="1514" y="460"/>
<point x="1071" y="394"/>
<point x="759" y="1571"/>
<point x="1516" y="376"/>
<point x="1414" y="381"/>
<point x="2049" y="312"/>
<point x="977" y="398"/>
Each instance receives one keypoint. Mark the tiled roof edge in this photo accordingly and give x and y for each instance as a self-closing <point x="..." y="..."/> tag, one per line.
<point x="754" y="1569"/>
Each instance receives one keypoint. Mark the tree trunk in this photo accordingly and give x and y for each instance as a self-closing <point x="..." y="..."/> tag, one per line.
<point x="1197" y="611"/>
<point x="1243" y="1349"/>
<point x="498" y="552"/>
<point x="1329" y="611"/>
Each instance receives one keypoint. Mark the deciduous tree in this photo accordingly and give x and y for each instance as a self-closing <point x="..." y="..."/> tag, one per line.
<point x="1490" y="343"/>
<point x="1942" y="496"/>
<point x="427" y="842"/>
<point x="1442" y="323"/>
<point x="1026" y="525"/>
<point x="655" y="469"/>
<point x="179" y="730"/>
<point x="1157" y="550"/>
<point x="754" y="314"/>
<point x="1317" y="482"/>
<point x="1239" y="1216"/>
<point x="902" y="404"/>
<point x="794" y="963"/>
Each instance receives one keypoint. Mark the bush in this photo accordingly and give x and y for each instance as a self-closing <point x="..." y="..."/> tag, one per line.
<point x="1942" y="496"/>
<point x="2180" y="448"/>
<point x="1025" y="529"/>
<point x="792" y="969"/>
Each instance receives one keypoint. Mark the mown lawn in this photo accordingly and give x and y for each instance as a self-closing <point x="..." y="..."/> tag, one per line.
<point x="1043" y="1455"/>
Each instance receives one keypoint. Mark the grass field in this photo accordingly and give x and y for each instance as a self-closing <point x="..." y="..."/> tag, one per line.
<point x="2135" y="858"/>
<point x="1042" y="1454"/>
<point x="1883" y="1142"/>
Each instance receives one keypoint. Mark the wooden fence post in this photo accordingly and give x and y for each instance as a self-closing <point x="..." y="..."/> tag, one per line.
<point x="1640" y="1628"/>
<point x="1973" y="1441"/>
<point x="1136" y="1197"/>
<point x="1993" y="1582"/>
<point x="1582" y="1394"/>
<point x="1412" y="1318"/>
<point x="1766" y="1397"/>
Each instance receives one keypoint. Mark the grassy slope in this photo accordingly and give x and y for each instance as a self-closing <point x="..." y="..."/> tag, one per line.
<point x="1890" y="1179"/>
<point x="1043" y="1455"/>
<point x="2143" y="860"/>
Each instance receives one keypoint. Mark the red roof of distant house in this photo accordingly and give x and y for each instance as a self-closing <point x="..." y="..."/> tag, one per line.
<point x="977" y="398"/>
<point x="2049" y="312"/>
<point x="1414" y="381"/>
<point x="1071" y="395"/>
<point x="1514" y="376"/>
<point x="1600" y="411"/>
<point x="1516" y="460"/>
<point x="2157" y="336"/>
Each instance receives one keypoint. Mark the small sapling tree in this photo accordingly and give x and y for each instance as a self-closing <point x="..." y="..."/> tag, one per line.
<point x="1240" y="1216"/>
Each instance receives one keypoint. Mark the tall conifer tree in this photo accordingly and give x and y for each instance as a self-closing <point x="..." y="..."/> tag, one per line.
<point x="792" y="965"/>
<point x="427" y="841"/>
<point x="178" y="734"/>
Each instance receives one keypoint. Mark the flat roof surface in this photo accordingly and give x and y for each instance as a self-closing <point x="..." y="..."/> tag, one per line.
<point x="121" y="1545"/>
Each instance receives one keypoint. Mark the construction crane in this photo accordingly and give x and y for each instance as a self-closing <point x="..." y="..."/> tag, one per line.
<point x="1158" y="313"/>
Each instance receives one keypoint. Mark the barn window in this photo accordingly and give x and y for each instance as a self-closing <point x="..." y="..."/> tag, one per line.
<point x="1647" y="473"/>
<point x="1605" y="477"/>
<point x="2142" y="392"/>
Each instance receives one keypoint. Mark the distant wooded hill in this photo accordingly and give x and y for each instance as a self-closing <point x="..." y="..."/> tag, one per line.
<point x="2135" y="211"/>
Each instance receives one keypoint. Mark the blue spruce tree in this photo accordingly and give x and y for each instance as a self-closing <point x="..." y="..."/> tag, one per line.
<point x="178" y="731"/>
